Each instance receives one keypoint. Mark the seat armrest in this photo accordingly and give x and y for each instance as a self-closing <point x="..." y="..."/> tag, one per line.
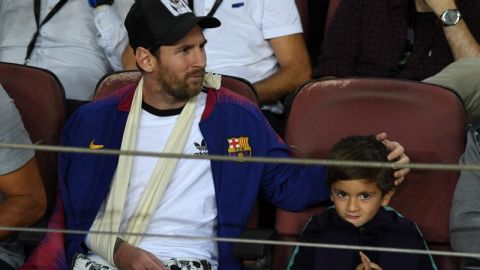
<point x="255" y="256"/>
<point x="470" y="264"/>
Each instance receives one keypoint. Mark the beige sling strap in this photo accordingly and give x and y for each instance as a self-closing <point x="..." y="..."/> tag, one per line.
<point x="103" y="244"/>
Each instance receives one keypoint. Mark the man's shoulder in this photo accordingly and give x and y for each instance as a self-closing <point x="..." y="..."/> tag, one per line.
<point x="119" y="100"/>
<point x="95" y="110"/>
<point x="100" y="113"/>
<point x="233" y="100"/>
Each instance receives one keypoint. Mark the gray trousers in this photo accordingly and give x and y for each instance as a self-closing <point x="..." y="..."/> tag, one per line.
<point x="463" y="77"/>
<point x="465" y="212"/>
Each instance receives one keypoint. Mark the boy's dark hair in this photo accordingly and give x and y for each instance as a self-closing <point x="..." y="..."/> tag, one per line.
<point x="360" y="148"/>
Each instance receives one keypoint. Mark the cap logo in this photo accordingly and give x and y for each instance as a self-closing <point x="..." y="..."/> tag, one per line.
<point x="176" y="7"/>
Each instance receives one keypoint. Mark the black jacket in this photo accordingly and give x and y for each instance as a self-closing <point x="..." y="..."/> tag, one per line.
<point x="386" y="229"/>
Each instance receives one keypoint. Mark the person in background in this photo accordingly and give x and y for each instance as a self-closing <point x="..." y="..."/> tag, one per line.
<point x="432" y="41"/>
<point x="78" y="40"/>
<point x="408" y="39"/>
<point x="464" y="215"/>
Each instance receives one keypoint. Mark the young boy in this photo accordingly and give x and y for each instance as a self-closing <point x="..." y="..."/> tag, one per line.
<point x="360" y="217"/>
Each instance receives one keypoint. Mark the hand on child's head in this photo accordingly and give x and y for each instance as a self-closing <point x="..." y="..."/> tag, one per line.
<point x="397" y="153"/>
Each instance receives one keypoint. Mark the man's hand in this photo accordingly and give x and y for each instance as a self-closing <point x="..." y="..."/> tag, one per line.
<point x="367" y="264"/>
<point x="96" y="3"/>
<point x="397" y="152"/>
<point x="128" y="257"/>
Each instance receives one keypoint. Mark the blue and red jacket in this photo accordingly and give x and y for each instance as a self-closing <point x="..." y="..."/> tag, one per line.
<point x="85" y="179"/>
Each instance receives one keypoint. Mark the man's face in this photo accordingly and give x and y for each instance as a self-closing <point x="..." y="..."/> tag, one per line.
<point x="357" y="201"/>
<point x="181" y="67"/>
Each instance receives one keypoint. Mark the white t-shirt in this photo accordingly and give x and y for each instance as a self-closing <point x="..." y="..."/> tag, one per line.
<point x="188" y="206"/>
<point x="240" y="46"/>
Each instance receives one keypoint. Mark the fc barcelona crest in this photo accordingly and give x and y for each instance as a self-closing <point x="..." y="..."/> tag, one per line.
<point x="239" y="147"/>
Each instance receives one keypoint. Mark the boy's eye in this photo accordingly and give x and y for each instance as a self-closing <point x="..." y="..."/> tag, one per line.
<point x="341" y="194"/>
<point x="365" y="196"/>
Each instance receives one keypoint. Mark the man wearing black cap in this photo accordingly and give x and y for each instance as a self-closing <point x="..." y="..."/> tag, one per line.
<point x="260" y="41"/>
<point x="140" y="197"/>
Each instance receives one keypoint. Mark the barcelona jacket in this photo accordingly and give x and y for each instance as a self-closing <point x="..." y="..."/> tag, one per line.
<point x="85" y="179"/>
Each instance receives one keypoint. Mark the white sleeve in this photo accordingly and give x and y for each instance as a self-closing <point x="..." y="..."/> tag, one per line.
<point x="112" y="36"/>
<point x="280" y="18"/>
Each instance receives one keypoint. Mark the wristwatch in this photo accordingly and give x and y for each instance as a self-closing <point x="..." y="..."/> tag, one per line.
<point x="450" y="17"/>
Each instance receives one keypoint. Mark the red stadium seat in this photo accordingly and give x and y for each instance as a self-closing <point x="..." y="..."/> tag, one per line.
<point x="428" y="120"/>
<point x="113" y="81"/>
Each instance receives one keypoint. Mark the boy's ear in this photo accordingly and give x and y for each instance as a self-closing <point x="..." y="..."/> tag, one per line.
<point x="386" y="198"/>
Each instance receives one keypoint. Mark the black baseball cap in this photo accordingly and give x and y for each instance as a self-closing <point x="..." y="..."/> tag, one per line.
<point x="152" y="23"/>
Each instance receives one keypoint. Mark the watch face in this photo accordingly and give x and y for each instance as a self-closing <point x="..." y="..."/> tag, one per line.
<point x="451" y="17"/>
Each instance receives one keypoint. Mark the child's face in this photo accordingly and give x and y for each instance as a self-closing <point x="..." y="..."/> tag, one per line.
<point x="357" y="201"/>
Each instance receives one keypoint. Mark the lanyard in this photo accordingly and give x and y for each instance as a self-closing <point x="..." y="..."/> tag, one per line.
<point x="212" y="11"/>
<point x="36" y="12"/>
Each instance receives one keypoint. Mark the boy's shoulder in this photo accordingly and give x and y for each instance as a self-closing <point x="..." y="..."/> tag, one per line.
<point x="398" y="231"/>
<point x="395" y="220"/>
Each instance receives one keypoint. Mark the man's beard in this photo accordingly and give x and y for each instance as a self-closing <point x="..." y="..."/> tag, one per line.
<point x="180" y="89"/>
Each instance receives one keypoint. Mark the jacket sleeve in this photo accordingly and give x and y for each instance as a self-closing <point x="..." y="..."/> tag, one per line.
<point x="291" y="187"/>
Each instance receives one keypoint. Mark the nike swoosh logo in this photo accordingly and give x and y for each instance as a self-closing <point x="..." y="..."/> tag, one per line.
<point x="95" y="146"/>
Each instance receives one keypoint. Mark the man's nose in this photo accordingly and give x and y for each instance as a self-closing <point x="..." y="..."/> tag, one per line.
<point x="199" y="58"/>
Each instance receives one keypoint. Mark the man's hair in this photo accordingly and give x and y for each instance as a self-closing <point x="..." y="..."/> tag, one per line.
<point x="360" y="148"/>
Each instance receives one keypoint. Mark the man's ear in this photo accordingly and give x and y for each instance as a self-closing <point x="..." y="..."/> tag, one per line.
<point x="386" y="198"/>
<point x="145" y="60"/>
